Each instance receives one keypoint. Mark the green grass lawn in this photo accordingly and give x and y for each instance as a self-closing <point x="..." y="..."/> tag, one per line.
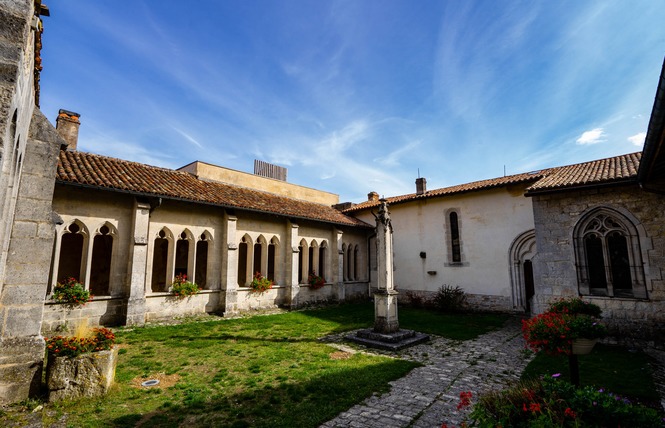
<point x="262" y="371"/>
<point x="612" y="368"/>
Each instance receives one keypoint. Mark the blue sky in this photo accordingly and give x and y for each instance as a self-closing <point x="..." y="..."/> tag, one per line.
<point x="357" y="96"/>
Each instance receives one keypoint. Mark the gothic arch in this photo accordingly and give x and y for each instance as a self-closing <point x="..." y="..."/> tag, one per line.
<point x="608" y="254"/>
<point x="522" y="251"/>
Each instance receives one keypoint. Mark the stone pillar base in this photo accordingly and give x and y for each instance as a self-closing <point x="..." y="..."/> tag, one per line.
<point x="135" y="312"/>
<point x="21" y="362"/>
<point x="385" y="312"/>
<point x="294" y="293"/>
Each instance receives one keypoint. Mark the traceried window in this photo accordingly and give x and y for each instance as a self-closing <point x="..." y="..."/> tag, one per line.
<point x="608" y="256"/>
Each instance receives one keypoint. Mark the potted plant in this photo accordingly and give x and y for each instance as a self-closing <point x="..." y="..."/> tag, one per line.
<point x="82" y="365"/>
<point x="71" y="292"/>
<point x="260" y="284"/>
<point x="585" y="332"/>
<point x="183" y="288"/>
<point x="315" y="281"/>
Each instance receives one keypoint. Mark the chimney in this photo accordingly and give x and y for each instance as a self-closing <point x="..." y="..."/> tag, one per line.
<point x="373" y="197"/>
<point x="67" y="124"/>
<point x="421" y="186"/>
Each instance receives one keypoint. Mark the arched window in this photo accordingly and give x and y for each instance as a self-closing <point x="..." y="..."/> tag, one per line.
<point x="345" y="264"/>
<point x="201" y="263"/>
<point x="302" y="261"/>
<point x="160" y="261"/>
<point x="72" y="245"/>
<point x="242" y="262"/>
<point x="349" y="263"/>
<point x="272" y="258"/>
<point x="182" y="254"/>
<point x="322" y="259"/>
<point x="355" y="263"/>
<point x="312" y="253"/>
<point x="100" y="269"/>
<point x="608" y="255"/>
<point x="260" y="257"/>
<point x="455" y="246"/>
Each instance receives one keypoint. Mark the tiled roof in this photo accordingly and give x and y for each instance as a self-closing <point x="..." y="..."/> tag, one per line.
<point x="460" y="188"/>
<point x="101" y="172"/>
<point x="599" y="172"/>
<point x="603" y="171"/>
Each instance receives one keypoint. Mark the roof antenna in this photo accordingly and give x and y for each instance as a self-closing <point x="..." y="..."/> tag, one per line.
<point x="418" y="172"/>
<point x="504" y="170"/>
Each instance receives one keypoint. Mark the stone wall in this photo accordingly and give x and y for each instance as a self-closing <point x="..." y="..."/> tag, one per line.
<point x="555" y="272"/>
<point x="29" y="152"/>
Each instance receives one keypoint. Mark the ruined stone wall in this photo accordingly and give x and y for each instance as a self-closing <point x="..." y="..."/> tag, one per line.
<point x="29" y="152"/>
<point x="555" y="272"/>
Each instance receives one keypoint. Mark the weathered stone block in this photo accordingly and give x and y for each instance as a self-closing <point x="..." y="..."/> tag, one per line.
<point x="24" y="229"/>
<point x="88" y="375"/>
<point x="22" y="294"/>
<point x="23" y="321"/>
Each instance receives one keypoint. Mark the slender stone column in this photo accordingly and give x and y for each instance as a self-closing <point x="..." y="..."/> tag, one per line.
<point x="230" y="279"/>
<point x="138" y="264"/>
<point x="291" y="247"/>
<point x="338" y="265"/>
<point x="385" y="299"/>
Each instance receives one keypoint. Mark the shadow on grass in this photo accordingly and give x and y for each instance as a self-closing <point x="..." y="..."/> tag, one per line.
<point x="612" y="368"/>
<point x="308" y="403"/>
<point x="458" y="326"/>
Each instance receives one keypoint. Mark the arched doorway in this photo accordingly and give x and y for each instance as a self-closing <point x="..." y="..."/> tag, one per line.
<point x="522" y="251"/>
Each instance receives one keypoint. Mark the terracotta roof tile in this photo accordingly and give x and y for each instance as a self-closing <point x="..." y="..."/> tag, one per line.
<point x="90" y="170"/>
<point x="460" y="188"/>
<point x="603" y="171"/>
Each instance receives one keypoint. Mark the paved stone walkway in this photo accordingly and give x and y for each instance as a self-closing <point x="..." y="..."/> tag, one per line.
<point x="428" y="396"/>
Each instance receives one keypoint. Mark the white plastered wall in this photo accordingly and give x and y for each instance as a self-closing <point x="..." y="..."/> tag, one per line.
<point x="489" y="221"/>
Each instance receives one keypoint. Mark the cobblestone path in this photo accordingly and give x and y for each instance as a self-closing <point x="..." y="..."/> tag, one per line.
<point x="428" y="396"/>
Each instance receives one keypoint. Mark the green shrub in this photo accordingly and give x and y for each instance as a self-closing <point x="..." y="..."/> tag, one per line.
<point x="450" y="299"/>
<point x="575" y="306"/>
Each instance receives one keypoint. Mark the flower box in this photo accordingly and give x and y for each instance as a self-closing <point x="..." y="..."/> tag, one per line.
<point x="86" y="375"/>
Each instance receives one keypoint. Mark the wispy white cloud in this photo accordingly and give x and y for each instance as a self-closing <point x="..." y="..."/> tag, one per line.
<point x="595" y="136"/>
<point x="187" y="137"/>
<point x="638" y="139"/>
<point x="393" y="158"/>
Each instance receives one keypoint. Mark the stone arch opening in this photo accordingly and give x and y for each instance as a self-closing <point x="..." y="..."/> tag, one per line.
<point x="522" y="252"/>
<point x="100" y="264"/>
<point x="160" y="260"/>
<point x="73" y="242"/>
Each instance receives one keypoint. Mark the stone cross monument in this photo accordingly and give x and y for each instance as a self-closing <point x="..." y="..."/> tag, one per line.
<point x="386" y="333"/>
<point x="385" y="299"/>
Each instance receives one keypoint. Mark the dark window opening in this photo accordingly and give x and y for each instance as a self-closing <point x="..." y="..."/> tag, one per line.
<point x="242" y="264"/>
<point x="100" y="270"/>
<point x="159" y="263"/>
<point x="201" y="268"/>
<point x="71" y="254"/>
<point x="454" y="238"/>
<point x="271" y="262"/>
<point x="595" y="262"/>
<point x="181" y="256"/>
